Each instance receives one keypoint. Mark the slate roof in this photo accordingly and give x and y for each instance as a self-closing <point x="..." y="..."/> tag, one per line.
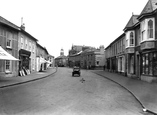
<point x="8" y="23"/>
<point x="149" y="7"/>
<point x="133" y="20"/>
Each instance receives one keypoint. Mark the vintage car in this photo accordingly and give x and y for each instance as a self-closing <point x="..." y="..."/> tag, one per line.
<point x="76" y="70"/>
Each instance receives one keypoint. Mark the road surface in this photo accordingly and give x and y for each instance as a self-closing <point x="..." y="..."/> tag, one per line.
<point x="62" y="94"/>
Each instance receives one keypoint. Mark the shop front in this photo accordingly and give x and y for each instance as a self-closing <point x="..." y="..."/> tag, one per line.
<point x="24" y="63"/>
<point x="149" y="66"/>
<point x="148" y="61"/>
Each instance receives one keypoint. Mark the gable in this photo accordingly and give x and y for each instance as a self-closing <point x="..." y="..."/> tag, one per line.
<point x="149" y="7"/>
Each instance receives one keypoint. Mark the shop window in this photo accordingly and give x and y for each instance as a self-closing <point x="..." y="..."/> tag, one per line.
<point x="143" y="64"/>
<point x="146" y="64"/>
<point x="150" y="29"/>
<point x="155" y="63"/>
<point x="149" y="64"/>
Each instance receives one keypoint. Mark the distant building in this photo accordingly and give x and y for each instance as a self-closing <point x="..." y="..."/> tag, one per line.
<point x="61" y="61"/>
<point x="86" y="57"/>
<point x="93" y="58"/>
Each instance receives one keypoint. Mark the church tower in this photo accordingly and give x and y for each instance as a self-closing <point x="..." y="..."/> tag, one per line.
<point x="62" y="52"/>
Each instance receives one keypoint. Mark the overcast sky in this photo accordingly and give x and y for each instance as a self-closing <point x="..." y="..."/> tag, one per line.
<point x="60" y="23"/>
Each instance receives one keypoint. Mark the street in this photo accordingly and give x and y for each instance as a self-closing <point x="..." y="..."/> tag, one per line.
<point x="62" y="94"/>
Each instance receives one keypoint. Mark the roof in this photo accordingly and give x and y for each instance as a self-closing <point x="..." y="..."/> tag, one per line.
<point x="122" y="35"/>
<point x="8" y="23"/>
<point x="42" y="48"/>
<point x="149" y="7"/>
<point x="29" y="35"/>
<point x="133" y="20"/>
<point x="50" y="56"/>
<point x="61" y="57"/>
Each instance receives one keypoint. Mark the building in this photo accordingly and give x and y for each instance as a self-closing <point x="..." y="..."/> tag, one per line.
<point x="132" y="28"/>
<point x="148" y="44"/>
<point x="27" y="52"/>
<point x="41" y="58"/>
<point x="61" y="61"/>
<point x="140" y="45"/>
<point x="87" y="57"/>
<point x="115" y="55"/>
<point x="93" y="58"/>
<point x="74" y="57"/>
<point x="51" y="60"/>
<point x="9" y="42"/>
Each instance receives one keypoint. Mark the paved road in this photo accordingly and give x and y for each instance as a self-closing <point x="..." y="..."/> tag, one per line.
<point x="62" y="94"/>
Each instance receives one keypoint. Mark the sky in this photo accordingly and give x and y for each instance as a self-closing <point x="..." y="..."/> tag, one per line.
<point x="60" y="24"/>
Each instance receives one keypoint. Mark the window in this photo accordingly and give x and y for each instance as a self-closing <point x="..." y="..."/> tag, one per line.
<point x="126" y="42"/>
<point x="131" y="39"/>
<point x="97" y="62"/>
<point x="147" y="29"/>
<point x="7" y="65"/>
<point x="150" y="29"/>
<point x="9" y="43"/>
<point x="22" y="43"/>
<point x="149" y="64"/>
<point x="142" y="36"/>
<point x="9" y="39"/>
<point x="30" y="46"/>
<point x="143" y="28"/>
<point x="26" y="44"/>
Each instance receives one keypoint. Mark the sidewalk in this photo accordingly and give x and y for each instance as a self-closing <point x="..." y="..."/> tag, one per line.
<point x="11" y="81"/>
<point x="145" y="92"/>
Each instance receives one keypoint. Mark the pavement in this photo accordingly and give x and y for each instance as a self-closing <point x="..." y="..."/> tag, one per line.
<point x="144" y="92"/>
<point x="12" y="81"/>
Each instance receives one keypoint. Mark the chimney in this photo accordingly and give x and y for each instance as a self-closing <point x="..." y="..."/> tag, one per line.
<point x="22" y="24"/>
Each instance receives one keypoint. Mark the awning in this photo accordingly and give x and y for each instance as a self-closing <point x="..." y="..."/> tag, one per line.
<point x="42" y="60"/>
<point x="48" y="62"/>
<point x="5" y="55"/>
